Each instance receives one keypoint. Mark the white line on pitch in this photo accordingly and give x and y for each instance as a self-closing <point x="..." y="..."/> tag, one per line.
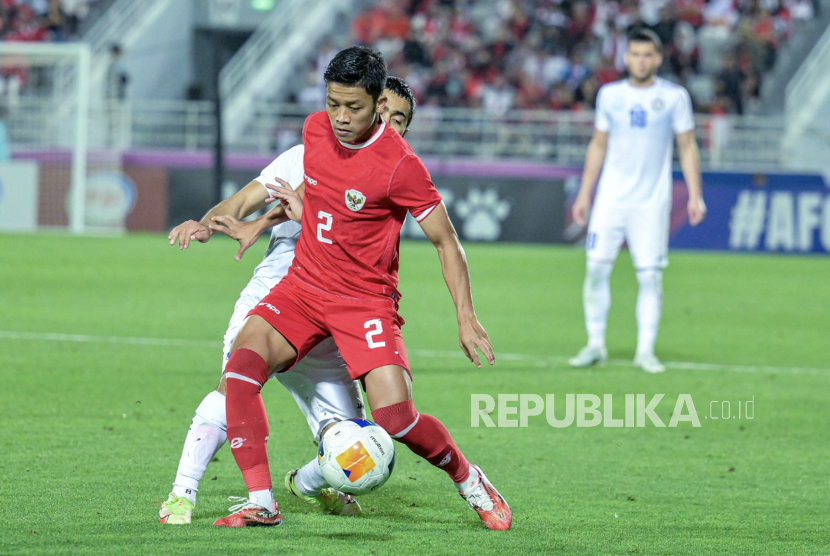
<point x="83" y="338"/>
<point x="539" y="360"/>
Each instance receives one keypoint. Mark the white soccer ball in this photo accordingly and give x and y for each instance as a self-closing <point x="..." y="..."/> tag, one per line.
<point x="356" y="456"/>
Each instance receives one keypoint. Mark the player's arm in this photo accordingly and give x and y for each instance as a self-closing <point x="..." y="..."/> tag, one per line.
<point x="247" y="233"/>
<point x="439" y="230"/>
<point x="246" y="201"/>
<point x="290" y="198"/>
<point x="594" y="158"/>
<point x="690" y="164"/>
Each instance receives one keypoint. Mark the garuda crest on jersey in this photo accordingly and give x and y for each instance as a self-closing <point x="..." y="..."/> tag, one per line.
<point x="355" y="200"/>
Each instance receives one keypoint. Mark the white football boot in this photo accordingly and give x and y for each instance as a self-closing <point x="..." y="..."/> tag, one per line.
<point x="649" y="363"/>
<point x="589" y="355"/>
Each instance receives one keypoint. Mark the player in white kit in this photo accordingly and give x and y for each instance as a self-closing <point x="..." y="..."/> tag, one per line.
<point x="319" y="383"/>
<point x="636" y="120"/>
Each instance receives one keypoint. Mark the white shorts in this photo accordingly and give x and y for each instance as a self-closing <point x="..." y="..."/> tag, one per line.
<point x="320" y="383"/>
<point x="644" y="228"/>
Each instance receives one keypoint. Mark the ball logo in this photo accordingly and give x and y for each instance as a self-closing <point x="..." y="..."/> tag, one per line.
<point x="237" y="442"/>
<point x="356" y="461"/>
<point x="355" y="200"/>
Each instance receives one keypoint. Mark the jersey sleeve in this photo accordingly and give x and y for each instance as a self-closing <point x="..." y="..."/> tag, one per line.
<point x="601" y="120"/>
<point x="683" y="118"/>
<point x="283" y="167"/>
<point x="411" y="188"/>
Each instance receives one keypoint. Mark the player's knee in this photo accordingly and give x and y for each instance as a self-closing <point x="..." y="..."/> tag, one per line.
<point x="396" y="419"/>
<point x="650" y="279"/>
<point x="598" y="273"/>
<point x="247" y="366"/>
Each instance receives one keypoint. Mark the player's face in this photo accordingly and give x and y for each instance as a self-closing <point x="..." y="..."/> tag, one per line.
<point x="352" y="112"/>
<point x="396" y="112"/>
<point x="642" y="61"/>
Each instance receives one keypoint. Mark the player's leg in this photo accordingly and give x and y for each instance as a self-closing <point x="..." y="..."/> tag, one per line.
<point x="605" y="237"/>
<point x="648" y="242"/>
<point x="369" y="337"/>
<point x="389" y="390"/>
<point x="260" y="350"/>
<point x="207" y="432"/>
<point x="325" y="393"/>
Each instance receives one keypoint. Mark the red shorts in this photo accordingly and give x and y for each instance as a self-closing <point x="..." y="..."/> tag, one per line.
<point x="367" y="331"/>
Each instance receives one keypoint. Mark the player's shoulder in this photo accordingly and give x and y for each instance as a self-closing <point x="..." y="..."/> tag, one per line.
<point x="295" y="152"/>
<point x="393" y="146"/>
<point x="671" y="87"/>
<point x="315" y="122"/>
<point x="290" y="156"/>
<point x="614" y="86"/>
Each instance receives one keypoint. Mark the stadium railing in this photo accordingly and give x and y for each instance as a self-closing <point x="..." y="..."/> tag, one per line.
<point x="750" y="143"/>
<point x="807" y="133"/>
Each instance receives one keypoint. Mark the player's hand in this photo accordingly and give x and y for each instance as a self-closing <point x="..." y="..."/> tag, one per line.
<point x="189" y="231"/>
<point x="291" y="200"/>
<point x="472" y="336"/>
<point x="246" y="233"/>
<point x="580" y="210"/>
<point x="697" y="211"/>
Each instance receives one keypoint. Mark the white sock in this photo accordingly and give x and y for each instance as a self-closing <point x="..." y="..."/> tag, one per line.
<point x="264" y="499"/>
<point x="596" y="299"/>
<point x="309" y="480"/>
<point x="649" y="302"/>
<point x="471" y="482"/>
<point x="206" y="435"/>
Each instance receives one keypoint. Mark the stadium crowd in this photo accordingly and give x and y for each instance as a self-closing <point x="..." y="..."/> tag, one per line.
<point x="555" y="54"/>
<point x="42" y="20"/>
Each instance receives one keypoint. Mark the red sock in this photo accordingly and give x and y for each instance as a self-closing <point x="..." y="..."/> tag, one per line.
<point x="246" y="373"/>
<point x="425" y="435"/>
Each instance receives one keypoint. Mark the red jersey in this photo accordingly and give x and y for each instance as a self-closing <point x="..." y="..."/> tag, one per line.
<point x="356" y="200"/>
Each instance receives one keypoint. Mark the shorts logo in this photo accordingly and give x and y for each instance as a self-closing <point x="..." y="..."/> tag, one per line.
<point x="591" y="242"/>
<point x="355" y="200"/>
<point x="237" y="442"/>
<point x="270" y="307"/>
<point x="309" y="180"/>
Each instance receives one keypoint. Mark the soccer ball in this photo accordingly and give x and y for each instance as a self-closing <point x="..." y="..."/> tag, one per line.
<point x="356" y="456"/>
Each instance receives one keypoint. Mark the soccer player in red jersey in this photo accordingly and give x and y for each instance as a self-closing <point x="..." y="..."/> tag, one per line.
<point x="361" y="179"/>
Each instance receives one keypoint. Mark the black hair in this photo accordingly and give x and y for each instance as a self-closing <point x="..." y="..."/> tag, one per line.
<point x="358" y="66"/>
<point x="400" y="88"/>
<point x="646" y="35"/>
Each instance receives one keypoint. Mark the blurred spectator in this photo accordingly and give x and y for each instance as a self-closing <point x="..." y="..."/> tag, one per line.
<point x="117" y="76"/>
<point x="313" y="95"/>
<point x="42" y="20"/>
<point x="730" y="79"/>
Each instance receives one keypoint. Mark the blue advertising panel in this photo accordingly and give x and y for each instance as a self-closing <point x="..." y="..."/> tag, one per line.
<point x="776" y="213"/>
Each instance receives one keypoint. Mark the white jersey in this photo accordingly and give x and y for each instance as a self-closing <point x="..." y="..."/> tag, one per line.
<point x="288" y="167"/>
<point x="641" y="123"/>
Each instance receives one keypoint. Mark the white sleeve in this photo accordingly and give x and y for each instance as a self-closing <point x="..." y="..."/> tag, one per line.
<point x="284" y="167"/>
<point x="683" y="119"/>
<point x="601" y="121"/>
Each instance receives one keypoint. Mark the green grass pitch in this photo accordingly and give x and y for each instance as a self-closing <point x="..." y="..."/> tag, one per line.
<point x="93" y="419"/>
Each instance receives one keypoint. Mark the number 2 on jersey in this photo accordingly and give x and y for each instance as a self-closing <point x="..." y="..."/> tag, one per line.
<point x="376" y="327"/>
<point x="324" y="226"/>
